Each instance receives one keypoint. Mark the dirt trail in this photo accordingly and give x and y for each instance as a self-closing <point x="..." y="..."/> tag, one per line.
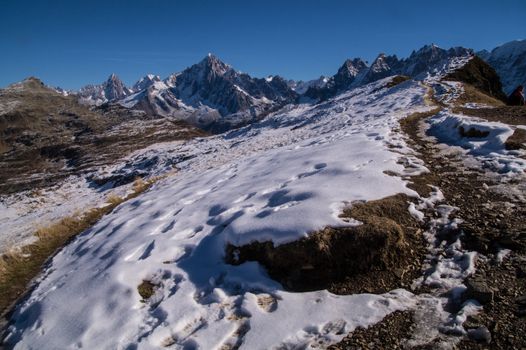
<point x="493" y="225"/>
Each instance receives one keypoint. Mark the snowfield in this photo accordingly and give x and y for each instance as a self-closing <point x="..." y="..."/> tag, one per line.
<point x="280" y="179"/>
<point x="483" y="140"/>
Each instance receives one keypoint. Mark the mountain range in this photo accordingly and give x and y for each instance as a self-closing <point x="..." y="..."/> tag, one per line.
<point x="214" y="96"/>
<point x="509" y="60"/>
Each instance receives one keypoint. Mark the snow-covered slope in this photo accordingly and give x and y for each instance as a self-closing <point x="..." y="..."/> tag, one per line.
<point x="509" y="60"/>
<point x="145" y="82"/>
<point x="278" y="180"/>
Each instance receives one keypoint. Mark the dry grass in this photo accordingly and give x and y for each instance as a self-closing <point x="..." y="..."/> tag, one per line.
<point x="397" y="80"/>
<point x="3" y="147"/>
<point x="474" y="95"/>
<point x="382" y="254"/>
<point x="114" y="200"/>
<point x="20" y="266"/>
<point x="146" y="290"/>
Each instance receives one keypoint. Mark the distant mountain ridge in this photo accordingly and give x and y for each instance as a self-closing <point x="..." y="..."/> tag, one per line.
<point x="509" y="60"/>
<point x="356" y="72"/>
<point x="213" y="95"/>
<point x="111" y="90"/>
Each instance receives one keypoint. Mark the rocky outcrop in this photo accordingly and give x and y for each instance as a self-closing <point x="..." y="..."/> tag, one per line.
<point x="509" y="61"/>
<point x="380" y="255"/>
<point x="480" y="75"/>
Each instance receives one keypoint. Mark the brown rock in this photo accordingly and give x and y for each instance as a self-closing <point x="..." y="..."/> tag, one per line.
<point x="478" y="289"/>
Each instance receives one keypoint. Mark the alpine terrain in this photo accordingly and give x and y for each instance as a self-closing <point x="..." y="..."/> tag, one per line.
<point x="381" y="207"/>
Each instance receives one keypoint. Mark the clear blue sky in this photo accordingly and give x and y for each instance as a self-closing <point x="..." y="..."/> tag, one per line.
<point x="73" y="43"/>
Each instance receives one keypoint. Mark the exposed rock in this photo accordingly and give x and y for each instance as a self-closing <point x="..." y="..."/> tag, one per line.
<point x="480" y="75"/>
<point x="480" y="334"/>
<point x="378" y="256"/>
<point x="478" y="289"/>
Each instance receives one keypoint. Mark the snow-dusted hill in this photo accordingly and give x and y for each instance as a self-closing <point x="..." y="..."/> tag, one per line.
<point x="279" y="180"/>
<point x="509" y="60"/>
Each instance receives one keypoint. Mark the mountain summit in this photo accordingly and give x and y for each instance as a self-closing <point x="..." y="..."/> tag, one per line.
<point x="210" y="94"/>
<point x="112" y="89"/>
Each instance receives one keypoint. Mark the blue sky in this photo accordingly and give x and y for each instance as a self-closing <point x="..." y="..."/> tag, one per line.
<point x="73" y="43"/>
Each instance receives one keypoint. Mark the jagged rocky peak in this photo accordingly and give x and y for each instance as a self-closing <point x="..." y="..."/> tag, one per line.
<point x="212" y="64"/>
<point x="384" y="63"/>
<point x="429" y="57"/>
<point x="171" y="80"/>
<point x="145" y="82"/>
<point x="433" y="53"/>
<point x="352" y="67"/>
<point x="114" y="88"/>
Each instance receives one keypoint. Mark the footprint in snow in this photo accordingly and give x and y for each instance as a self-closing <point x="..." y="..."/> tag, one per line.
<point x="236" y="338"/>
<point x="148" y="251"/>
<point x="168" y="227"/>
<point x="181" y="254"/>
<point x="267" y="302"/>
<point x="144" y="252"/>
<point x="335" y="327"/>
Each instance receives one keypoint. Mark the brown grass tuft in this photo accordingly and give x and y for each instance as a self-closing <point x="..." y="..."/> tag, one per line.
<point x="381" y="254"/>
<point x="146" y="290"/>
<point x="113" y="199"/>
<point x="20" y="266"/>
<point x="397" y="80"/>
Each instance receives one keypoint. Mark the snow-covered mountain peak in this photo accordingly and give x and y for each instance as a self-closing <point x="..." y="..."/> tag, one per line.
<point x="112" y="89"/>
<point x="510" y="49"/>
<point x="145" y="82"/>
<point x="212" y="64"/>
<point x="509" y="61"/>
<point x="351" y="67"/>
<point x="383" y="63"/>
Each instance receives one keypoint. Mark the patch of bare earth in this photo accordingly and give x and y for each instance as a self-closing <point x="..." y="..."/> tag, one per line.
<point x="382" y="254"/>
<point x="493" y="219"/>
<point x="393" y="329"/>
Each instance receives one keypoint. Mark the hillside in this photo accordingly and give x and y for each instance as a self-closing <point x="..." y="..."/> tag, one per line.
<point x="179" y="266"/>
<point x="386" y="212"/>
<point x="46" y="137"/>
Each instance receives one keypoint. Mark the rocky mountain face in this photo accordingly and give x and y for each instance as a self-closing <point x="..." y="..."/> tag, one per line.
<point x="356" y="72"/>
<point x="509" y="61"/>
<point x="480" y="75"/>
<point x="145" y="82"/>
<point x="211" y="95"/>
<point x="214" y="96"/>
<point x="112" y="89"/>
